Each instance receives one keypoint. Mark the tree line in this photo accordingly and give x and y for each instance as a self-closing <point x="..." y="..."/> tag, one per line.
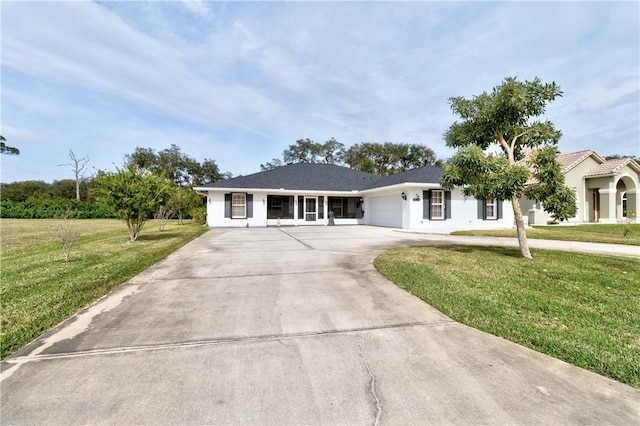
<point x="382" y="159"/>
<point x="169" y="174"/>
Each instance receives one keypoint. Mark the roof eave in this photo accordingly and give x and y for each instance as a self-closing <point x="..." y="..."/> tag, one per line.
<point x="601" y="175"/>
<point x="276" y="191"/>
<point x="400" y="186"/>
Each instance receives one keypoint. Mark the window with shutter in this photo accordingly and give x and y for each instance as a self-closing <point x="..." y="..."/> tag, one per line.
<point x="437" y="204"/>
<point x="490" y="209"/>
<point x="238" y="205"/>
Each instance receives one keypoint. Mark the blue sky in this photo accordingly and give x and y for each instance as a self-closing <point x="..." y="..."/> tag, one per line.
<point x="238" y="82"/>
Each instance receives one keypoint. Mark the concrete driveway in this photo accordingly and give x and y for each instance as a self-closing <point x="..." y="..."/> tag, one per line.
<point x="290" y="326"/>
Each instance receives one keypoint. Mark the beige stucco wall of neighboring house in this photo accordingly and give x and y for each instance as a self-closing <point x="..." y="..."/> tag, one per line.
<point x="628" y="182"/>
<point x="608" y="191"/>
<point x="602" y="191"/>
<point x="574" y="178"/>
<point x="598" y="198"/>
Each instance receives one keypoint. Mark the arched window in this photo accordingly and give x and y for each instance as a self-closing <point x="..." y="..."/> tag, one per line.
<point x="624" y="204"/>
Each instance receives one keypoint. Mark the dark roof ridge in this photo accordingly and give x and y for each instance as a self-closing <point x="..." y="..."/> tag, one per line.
<point x="424" y="174"/>
<point x="301" y="176"/>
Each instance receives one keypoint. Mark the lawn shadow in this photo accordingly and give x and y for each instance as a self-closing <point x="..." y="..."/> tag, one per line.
<point x="158" y="235"/>
<point x="464" y="249"/>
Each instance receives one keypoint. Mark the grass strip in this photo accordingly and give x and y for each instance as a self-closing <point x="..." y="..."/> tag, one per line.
<point x="596" y="233"/>
<point x="581" y="308"/>
<point x="39" y="290"/>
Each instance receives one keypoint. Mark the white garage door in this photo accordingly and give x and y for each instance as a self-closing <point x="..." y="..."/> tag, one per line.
<point x="386" y="211"/>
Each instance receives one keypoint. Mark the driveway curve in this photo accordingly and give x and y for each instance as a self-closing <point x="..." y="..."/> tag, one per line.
<point x="290" y="326"/>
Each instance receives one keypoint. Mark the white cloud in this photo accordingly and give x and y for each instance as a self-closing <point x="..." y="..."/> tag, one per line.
<point x="199" y="7"/>
<point x="239" y="82"/>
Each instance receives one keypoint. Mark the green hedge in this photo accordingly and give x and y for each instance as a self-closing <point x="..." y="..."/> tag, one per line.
<point x="52" y="208"/>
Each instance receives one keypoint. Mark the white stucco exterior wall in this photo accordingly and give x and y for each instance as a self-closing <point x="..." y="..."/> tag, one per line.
<point x="215" y="211"/>
<point x="382" y="208"/>
<point x="464" y="215"/>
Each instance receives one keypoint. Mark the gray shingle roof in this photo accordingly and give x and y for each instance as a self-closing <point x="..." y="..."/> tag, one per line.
<point x="325" y="177"/>
<point x="426" y="174"/>
<point x="302" y="176"/>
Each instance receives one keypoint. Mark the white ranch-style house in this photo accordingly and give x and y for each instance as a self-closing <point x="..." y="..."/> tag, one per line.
<point x="321" y="194"/>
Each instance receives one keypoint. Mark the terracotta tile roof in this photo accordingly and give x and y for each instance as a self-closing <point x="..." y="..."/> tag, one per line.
<point x="569" y="160"/>
<point x="612" y="167"/>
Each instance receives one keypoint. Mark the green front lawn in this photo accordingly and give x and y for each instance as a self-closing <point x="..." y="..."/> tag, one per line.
<point x="595" y="233"/>
<point x="38" y="289"/>
<point x="583" y="309"/>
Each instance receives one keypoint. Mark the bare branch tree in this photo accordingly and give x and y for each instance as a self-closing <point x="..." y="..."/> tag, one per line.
<point x="162" y="216"/>
<point x="77" y="165"/>
<point x="64" y="231"/>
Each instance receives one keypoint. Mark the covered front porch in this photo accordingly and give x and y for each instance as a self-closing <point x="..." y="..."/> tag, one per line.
<point x="313" y="209"/>
<point x="612" y="199"/>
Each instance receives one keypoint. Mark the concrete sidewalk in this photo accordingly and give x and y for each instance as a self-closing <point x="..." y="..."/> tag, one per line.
<point x="290" y="326"/>
<point x="575" y="246"/>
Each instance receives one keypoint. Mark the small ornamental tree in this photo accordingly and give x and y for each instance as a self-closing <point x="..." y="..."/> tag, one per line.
<point x="64" y="231"/>
<point x="508" y="117"/>
<point x="182" y="201"/>
<point x="133" y="196"/>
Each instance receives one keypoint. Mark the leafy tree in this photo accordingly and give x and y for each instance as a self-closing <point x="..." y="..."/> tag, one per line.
<point x="182" y="201"/>
<point x="303" y="151"/>
<point x="506" y="117"/>
<point x="5" y="149"/>
<point x="66" y="188"/>
<point x="388" y="158"/>
<point x="617" y="156"/>
<point x="176" y="166"/>
<point x="22" y="191"/>
<point x="558" y="199"/>
<point x="133" y="196"/>
<point x="308" y="151"/>
<point x="270" y="165"/>
<point x="332" y="152"/>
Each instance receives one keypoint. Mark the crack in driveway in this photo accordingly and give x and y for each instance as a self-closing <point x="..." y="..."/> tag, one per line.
<point x="210" y="342"/>
<point x="373" y="387"/>
<point x="298" y="240"/>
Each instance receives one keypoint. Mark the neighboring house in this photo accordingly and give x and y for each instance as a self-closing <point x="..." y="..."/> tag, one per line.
<point x="606" y="190"/>
<point x="312" y="194"/>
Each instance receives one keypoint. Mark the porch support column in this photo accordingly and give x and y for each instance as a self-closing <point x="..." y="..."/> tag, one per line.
<point x="633" y="206"/>
<point x="607" y="205"/>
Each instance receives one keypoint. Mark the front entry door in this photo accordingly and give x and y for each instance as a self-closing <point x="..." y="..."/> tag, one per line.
<point x="595" y="206"/>
<point x="310" y="209"/>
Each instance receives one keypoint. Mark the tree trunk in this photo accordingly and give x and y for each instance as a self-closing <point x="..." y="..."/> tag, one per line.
<point x="77" y="188"/>
<point x="522" y="234"/>
<point x="134" y="230"/>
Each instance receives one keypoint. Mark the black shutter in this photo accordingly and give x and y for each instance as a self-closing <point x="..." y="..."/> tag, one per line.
<point x="301" y="207"/>
<point x="227" y="205"/>
<point x="249" y="205"/>
<point x="499" y="209"/>
<point x="481" y="209"/>
<point x="447" y="204"/>
<point x="426" y="204"/>
<point x="321" y="207"/>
